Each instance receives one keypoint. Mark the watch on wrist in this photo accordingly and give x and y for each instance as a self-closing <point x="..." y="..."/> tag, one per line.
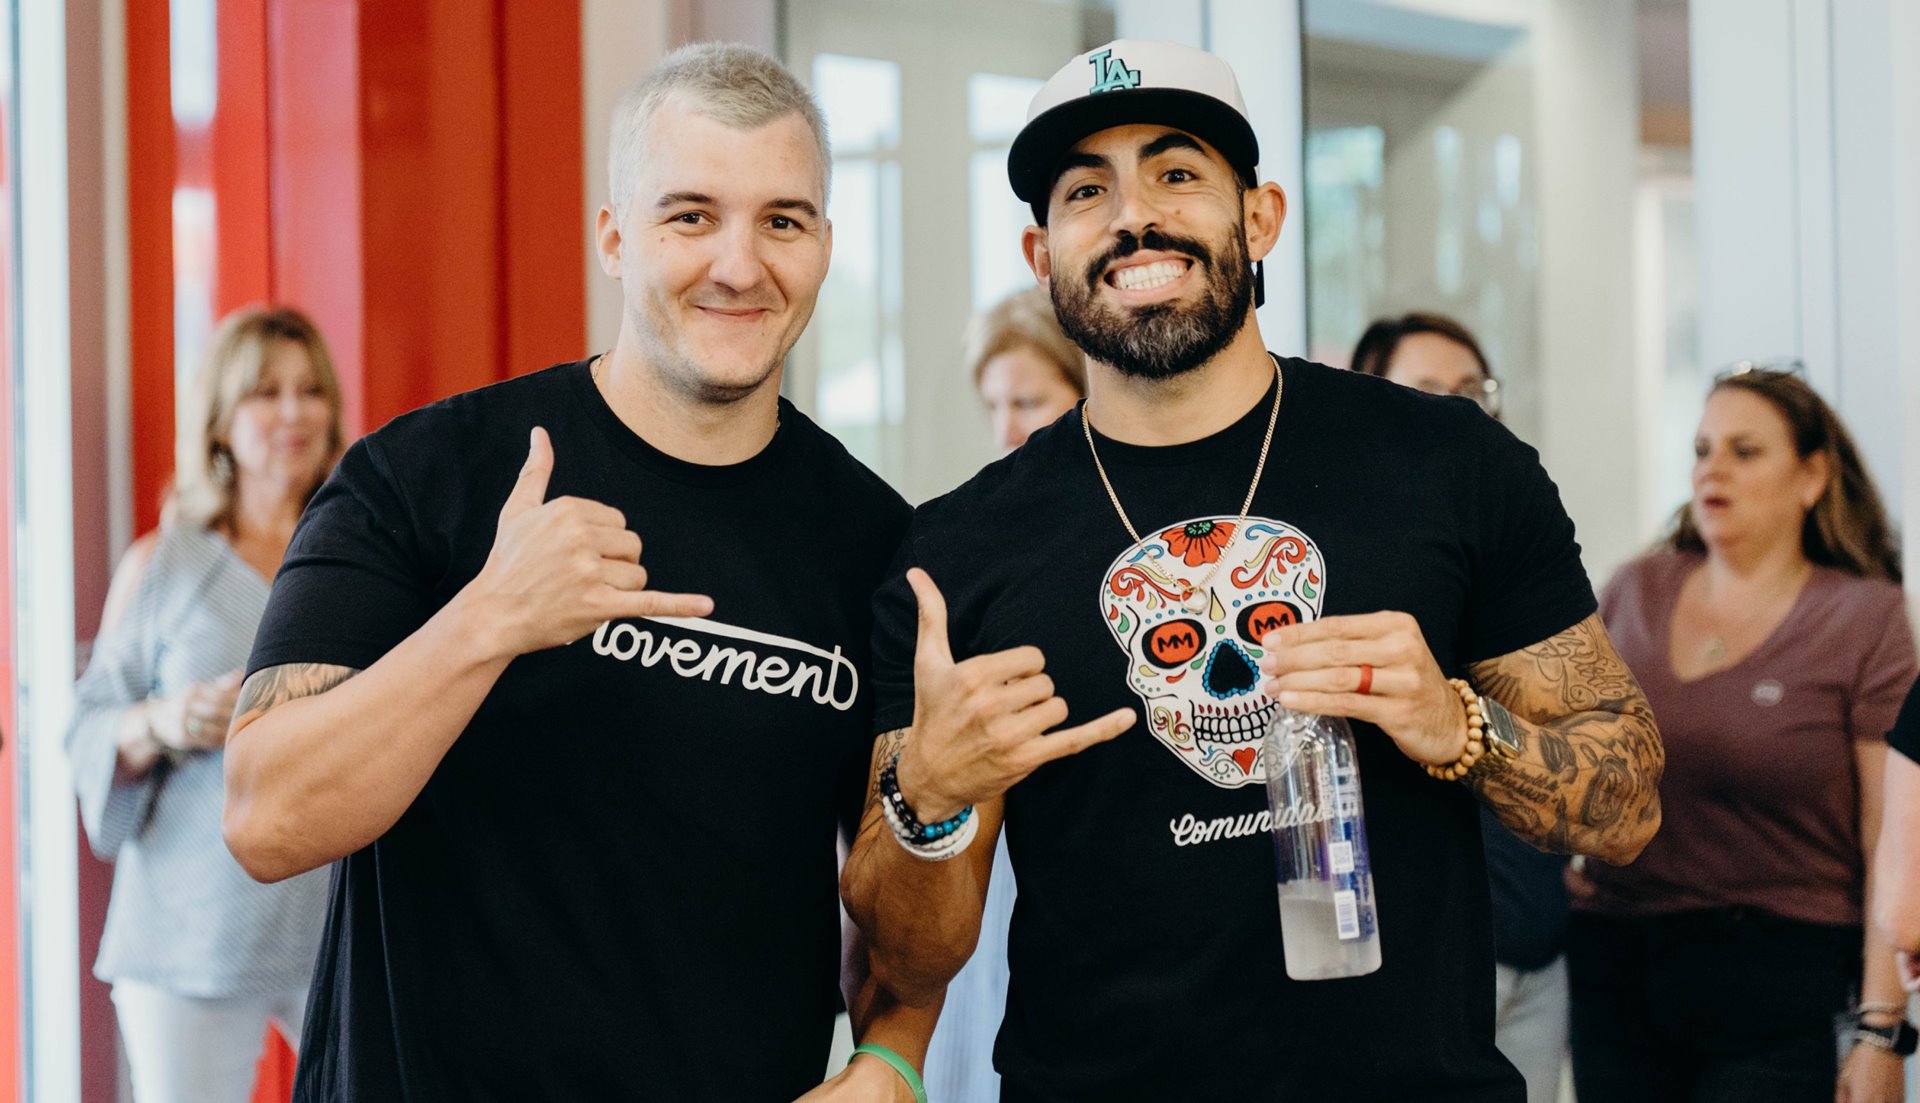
<point x="1503" y="738"/>
<point x="1899" y="1039"/>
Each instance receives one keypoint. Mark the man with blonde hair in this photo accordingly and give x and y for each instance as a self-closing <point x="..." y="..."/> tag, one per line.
<point x="583" y="809"/>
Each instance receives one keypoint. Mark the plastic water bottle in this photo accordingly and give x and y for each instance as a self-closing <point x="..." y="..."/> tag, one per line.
<point x="1327" y="920"/>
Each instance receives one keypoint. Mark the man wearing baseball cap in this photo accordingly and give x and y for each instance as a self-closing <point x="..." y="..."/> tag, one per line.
<point x="1089" y="639"/>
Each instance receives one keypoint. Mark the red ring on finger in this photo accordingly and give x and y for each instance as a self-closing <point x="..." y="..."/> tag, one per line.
<point x="1366" y="680"/>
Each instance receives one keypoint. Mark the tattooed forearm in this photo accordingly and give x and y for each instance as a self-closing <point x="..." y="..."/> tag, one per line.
<point x="276" y="685"/>
<point x="1587" y="779"/>
<point x="885" y="749"/>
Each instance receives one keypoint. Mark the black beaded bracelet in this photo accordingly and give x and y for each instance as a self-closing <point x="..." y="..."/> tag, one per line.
<point x="909" y="826"/>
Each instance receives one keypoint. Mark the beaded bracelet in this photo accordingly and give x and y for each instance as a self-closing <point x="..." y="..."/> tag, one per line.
<point x="948" y="846"/>
<point x="1476" y="747"/>
<point x="905" y="823"/>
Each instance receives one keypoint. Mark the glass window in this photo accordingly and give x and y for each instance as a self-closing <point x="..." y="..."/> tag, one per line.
<point x="858" y="388"/>
<point x="996" y="110"/>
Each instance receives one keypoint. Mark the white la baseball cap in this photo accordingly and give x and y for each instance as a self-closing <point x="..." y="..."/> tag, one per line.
<point x="1131" y="81"/>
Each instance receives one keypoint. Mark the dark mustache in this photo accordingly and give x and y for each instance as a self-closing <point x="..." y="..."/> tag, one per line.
<point x="1152" y="239"/>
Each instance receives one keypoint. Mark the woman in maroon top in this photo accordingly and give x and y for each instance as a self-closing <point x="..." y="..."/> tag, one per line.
<point x="1770" y="634"/>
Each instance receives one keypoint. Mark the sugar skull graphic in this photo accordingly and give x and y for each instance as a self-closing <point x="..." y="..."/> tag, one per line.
<point x="1191" y="650"/>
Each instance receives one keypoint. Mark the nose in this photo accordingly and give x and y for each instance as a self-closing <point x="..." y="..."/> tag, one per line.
<point x="1007" y="430"/>
<point x="737" y="264"/>
<point x="1134" y="211"/>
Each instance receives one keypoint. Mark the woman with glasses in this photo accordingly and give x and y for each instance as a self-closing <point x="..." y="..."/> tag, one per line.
<point x="1431" y="353"/>
<point x="1770" y="634"/>
<point x="200" y="956"/>
<point x="1438" y="355"/>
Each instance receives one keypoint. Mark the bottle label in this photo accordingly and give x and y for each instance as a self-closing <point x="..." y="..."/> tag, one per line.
<point x="1340" y="856"/>
<point x="1346" y="914"/>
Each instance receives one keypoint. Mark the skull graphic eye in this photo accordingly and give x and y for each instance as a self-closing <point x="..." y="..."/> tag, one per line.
<point x="1260" y="618"/>
<point x="1174" y="642"/>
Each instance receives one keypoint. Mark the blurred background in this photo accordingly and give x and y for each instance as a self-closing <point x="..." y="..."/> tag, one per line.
<point x="1618" y="196"/>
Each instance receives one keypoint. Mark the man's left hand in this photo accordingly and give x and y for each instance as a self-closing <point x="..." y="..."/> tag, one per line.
<point x="1319" y="667"/>
<point x="867" y="1080"/>
<point x="1870" y="1075"/>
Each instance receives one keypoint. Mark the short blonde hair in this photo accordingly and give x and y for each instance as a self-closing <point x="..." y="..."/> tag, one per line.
<point x="1024" y="319"/>
<point x="203" y="475"/>
<point x="735" y="84"/>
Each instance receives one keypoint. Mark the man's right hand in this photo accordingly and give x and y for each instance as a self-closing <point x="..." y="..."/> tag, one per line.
<point x="980" y="726"/>
<point x="559" y="569"/>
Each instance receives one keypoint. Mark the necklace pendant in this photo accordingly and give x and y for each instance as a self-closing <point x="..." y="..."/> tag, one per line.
<point x="1196" y="602"/>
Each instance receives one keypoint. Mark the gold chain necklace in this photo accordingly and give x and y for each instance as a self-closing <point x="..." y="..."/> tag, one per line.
<point x="1195" y="599"/>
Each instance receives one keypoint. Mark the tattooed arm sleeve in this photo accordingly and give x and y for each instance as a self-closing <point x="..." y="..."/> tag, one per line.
<point x="276" y="685"/>
<point x="1587" y="779"/>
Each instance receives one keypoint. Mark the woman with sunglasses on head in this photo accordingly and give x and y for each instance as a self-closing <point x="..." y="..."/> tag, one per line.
<point x="200" y="956"/>
<point x="1770" y="634"/>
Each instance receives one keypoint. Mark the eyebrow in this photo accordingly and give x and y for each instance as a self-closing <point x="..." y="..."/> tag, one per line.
<point x="1079" y="160"/>
<point x="675" y="198"/>
<point x="1171" y="140"/>
<point x="804" y="206"/>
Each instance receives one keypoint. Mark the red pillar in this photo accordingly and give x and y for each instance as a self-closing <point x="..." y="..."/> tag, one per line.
<point x="409" y="174"/>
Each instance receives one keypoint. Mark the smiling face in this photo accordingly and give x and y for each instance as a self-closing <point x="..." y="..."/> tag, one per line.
<point x="1750" y="484"/>
<point x="279" y="432"/>
<point x="1146" y="251"/>
<point x="721" y="251"/>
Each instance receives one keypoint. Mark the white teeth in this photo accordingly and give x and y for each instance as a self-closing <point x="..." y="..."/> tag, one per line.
<point x="1148" y="276"/>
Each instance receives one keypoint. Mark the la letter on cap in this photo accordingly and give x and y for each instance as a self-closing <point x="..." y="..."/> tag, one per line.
<point x="1112" y="73"/>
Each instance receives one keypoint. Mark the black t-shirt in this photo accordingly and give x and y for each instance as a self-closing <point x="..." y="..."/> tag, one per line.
<point x="1145" y="949"/>
<point x="1905" y="736"/>
<point x="620" y="881"/>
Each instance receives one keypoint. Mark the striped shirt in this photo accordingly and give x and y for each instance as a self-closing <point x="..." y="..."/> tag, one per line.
<point x="184" y="916"/>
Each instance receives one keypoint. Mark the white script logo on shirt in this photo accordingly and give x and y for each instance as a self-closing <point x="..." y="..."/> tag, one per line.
<point x="1190" y="830"/>
<point x="770" y="674"/>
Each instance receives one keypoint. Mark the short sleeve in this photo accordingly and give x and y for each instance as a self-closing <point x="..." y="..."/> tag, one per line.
<point x="896" y="623"/>
<point x="1886" y="673"/>
<point x="1905" y="736"/>
<point x="1527" y="579"/>
<point x="352" y="585"/>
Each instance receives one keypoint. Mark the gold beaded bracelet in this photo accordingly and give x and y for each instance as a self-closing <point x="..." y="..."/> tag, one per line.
<point x="1476" y="746"/>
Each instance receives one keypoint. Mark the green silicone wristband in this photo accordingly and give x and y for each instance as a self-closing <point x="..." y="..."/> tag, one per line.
<point x="900" y="1065"/>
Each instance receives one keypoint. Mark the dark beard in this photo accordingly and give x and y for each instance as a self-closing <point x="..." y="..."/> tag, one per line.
<point x="1166" y="339"/>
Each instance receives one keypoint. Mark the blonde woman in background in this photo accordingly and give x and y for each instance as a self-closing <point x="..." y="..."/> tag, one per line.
<point x="1025" y="369"/>
<point x="1029" y="374"/>
<point x="200" y="956"/>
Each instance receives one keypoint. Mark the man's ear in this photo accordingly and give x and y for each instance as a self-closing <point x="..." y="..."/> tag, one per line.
<point x="1264" y="210"/>
<point x="606" y="239"/>
<point x="1033" y="243"/>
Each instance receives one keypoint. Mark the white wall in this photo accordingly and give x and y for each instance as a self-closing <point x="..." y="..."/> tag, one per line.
<point x="619" y="39"/>
<point x="1903" y="41"/>
<point x="1804" y="128"/>
<point x="1592" y="437"/>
